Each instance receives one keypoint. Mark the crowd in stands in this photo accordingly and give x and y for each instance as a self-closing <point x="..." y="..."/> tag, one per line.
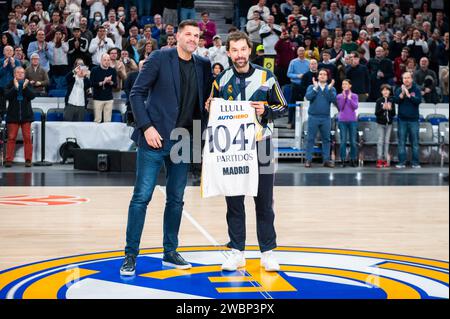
<point x="94" y="48"/>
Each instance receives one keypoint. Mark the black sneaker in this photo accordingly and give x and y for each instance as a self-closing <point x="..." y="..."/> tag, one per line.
<point x="354" y="163"/>
<point x="129" y="266"/>
<point x="174" y="259"/>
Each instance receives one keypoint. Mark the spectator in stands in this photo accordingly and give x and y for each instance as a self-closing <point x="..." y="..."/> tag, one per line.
<point x="41" y="14"/>
<point x="57" y="5"/>
<point x="217" y="68"/>
<point x="276" y="12"/>
<point x="315" y="22"/>
<point x="76" y="100"/>
<point x="259" y="59"/>
<point x="427" y="81"/>
<point x="304" y="29"/>
<point x="78" y="47"/>
<point x="37" y="76"/>
<point x="381" y="72"/>
<point x="6" y="40"/>
<point x="19" y="115"/>
<point x="100" y="45"/>
<point x="133" y="21"/>
<point x="201" y="49"/>
<point x="296" y="70"/>
<point x="14" y="31"/>
<point x="385" y="113"/>
<point x="97" y="6"/>
<point x="130" y="65"/>
<point x="441" y="24"/>
<point x="411" y="66"/>
<point x="58" y="49"/>
<point x="40" y="47"/>
<point x="52" y="27"/>
<point x="287" y="7"/>
<point x="103" y="80"/>
<point x="347" y="103"/>
<point x="364" y="43"/>
<point x="146" y="51"/>
<point x="348" y="44"/>
<point x="264" y="11"/>
<point x="253" y="27"/>
<point x="353" y="16"/>
<point x="270" y="34"/>
<point x="7" y="65"/>
<point x="218" y="52"/>
<point x="436" y="51"/>
<point x="408" y="97"/>
<point x="158" y="27"/>
<point x="117" y="64"/>
<point x="320" y="96"/>
<point x="443" y="80"/>
<point x="396" y="46"/>
<point x="171" y="42"/>
<point x="207" y="29"/>
<point x="285" y="54"/>
<point x="19" y="55"/>
<point x="311" y="50"/>
<point x="29" y="36"/>
<point x="328" y="64"/>
<point x="115" y="28"/>
<point x="85" y="32"/>
<point x="418" y="47"/>
<point x="333" y="17"/>
<point x="307" y="79"/>
<point x="400" y="65"/>
<point x="187" y="10"/>
<point x="96" y="23"/>
<point x="358" y="74"/>
<point x="170" y="30"/>
<point x="127" y="89"/>
<point x="147" y="38"/>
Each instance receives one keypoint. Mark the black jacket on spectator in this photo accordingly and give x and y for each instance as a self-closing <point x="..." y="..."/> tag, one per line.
<point x="307" y="81"/>
<point x="103" y="92"/>
<point x="384" y="65"/>
<point x="384" y="116"/>
<point x="70" y="79"/>
<point x="19" y="111"/>
<point x="360" y="79"/>
<point x="80" y="53"/>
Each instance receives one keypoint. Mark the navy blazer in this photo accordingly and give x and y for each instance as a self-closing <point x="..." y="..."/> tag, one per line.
<point x="155" y="96"/>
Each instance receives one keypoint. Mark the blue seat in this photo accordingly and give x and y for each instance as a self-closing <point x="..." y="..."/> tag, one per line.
<point x="57" y="93"/>
<point x="367" y="117"/>
<point x="89" y="116"/>
<point x="38" y="113"/>
<point x="146" y="20"/>
<point x="55" y="115"/>
<point x="436" y="119"/>
<point x="116" y="116"/>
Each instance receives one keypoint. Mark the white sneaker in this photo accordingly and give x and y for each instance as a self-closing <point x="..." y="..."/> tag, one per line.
<point x="235" y="260"/>
<point x="269" y="262"/>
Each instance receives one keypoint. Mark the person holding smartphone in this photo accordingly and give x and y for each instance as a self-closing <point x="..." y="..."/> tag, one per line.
<point x="76" y="97"/>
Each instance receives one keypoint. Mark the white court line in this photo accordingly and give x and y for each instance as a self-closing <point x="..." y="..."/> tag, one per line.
<point x="214" y="242"/>
<point x="199" y="227"/>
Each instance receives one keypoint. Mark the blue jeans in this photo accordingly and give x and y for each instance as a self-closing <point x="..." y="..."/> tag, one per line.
<point x="349" y="131"/>
<point x="405" y="129"/>
<point x="148" y="166"/>
<point x="144" y="7"/>
<point x="187" y="14"/>
<point x="322" y="124"/>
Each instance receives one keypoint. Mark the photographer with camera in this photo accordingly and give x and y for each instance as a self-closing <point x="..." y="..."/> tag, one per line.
<point x="76" y="97"/>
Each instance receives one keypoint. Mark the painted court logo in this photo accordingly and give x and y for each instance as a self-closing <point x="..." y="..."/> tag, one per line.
<point x="305" y="273"/>
<point x="45" y="200"/>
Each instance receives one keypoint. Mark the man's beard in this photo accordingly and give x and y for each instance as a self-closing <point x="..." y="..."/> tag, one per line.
<point x="241" y="63"/>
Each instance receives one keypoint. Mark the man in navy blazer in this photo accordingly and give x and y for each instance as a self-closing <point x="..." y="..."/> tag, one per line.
<point x="169" y="93"/>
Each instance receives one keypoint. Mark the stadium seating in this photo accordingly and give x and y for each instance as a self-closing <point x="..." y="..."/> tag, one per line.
<point x="54" y="115"/>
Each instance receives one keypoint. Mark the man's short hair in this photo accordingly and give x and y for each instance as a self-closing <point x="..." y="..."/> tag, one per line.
<point x="236" y="36"/>
<point x="35" y="55"/>
<point x="186" y="23"/>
